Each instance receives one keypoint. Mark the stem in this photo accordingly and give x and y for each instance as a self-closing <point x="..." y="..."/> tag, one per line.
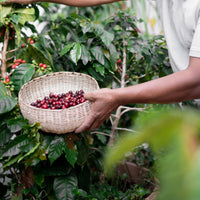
<point x="4" y="53"/>
<point x="119" y="109"/>
<point x="13" y="50"/>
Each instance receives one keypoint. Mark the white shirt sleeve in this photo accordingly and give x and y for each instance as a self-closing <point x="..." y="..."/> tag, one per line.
<point x="195" y="46"/>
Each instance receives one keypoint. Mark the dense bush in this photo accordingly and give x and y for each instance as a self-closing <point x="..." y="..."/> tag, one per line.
<point x="37" y="165"/>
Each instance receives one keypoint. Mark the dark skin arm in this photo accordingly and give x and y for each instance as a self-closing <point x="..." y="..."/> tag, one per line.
<point x="180" y="86"/>
<point x="78" y="3"/>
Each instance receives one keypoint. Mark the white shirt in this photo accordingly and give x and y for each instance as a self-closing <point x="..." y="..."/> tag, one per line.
<point x="181" y="26"/>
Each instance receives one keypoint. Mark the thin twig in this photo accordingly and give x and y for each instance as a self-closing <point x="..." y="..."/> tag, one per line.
<point x="10" y="58"/>
<point x="132" y="109"/>
<point x="117" y="79"/>
<point x="13" y="50"/>
<point x="126" y="129"/>
<point x="100" y="133"/>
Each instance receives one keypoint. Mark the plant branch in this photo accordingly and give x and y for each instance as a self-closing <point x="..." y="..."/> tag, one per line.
<point x="125" y="129"/>
<point x="4" y="53"/>
<point x="10" y="58"/>
<point x="127" y="109"/>
<point x="100" y="133"/>
<point x="13" y="50"/>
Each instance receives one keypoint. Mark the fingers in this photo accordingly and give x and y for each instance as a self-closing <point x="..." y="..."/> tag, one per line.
<point x="86" y="124"/>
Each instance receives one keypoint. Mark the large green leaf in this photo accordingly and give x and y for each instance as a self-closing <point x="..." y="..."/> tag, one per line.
<point x="70" y="155"/>
<point x="18" y="33"/>
<point x="13" y="148"/>
<point x="56" y="149"/>
<point x="22" y="75"/>
<point x="97" y="52"/>
<point x="107" y="38"/>
<point x="7" y="103"/>
<point x="83" y="152"/>
<point x="99" y="68"/>
<point x="25" y="15"/>
<point x="3" y="90"/>
<point x="4" y="11"/>
<point x="15" y="125"/>
<point x="64" y="186"/>
<point x="5" y="135"/>
<point x="75" y="53"/>
<point x="67" y="48"/>
<point x="39" y="54"/>
<point x="85" y="55"/>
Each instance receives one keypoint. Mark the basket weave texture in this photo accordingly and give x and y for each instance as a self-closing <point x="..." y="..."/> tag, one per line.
<point x="56" y="121"/>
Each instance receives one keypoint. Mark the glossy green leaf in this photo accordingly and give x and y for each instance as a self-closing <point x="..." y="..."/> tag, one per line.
<point x="7" y="103"/>
<point x="39" y="54"/>
<point x="15" y="125"/>
<point x="94" y="74"/>
<point x="13" y="148"/>
<point x="25" y="15"/>
<point x="5" y="135"/>
<point x="83" y="152"/>
<point x="67" y="48"/>
<point x="97" y="52"/>
<point x="70" y="155"/>
<point x="75" y="53"/>
<point x="99" y="68"/>
<point x="63" y="187"/>
<point x="4" y="10"/>
<point x="3" y="90"/>
<point x="107" y="38"/>
<point x="85" y="55"/>
<point x="22" y="75"/>
<point x="56" y="149"/>
<point x="18" y="33"/>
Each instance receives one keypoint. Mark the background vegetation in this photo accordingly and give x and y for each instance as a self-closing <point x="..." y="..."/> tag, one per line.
<point x="104" y="42"/>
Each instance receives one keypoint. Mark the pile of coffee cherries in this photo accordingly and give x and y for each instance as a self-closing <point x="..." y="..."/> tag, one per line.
<point x="60" y="101"/>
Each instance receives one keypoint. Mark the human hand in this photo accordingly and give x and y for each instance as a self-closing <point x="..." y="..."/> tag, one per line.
<point x="19" y="1"/>
<point x="104" y="103"/>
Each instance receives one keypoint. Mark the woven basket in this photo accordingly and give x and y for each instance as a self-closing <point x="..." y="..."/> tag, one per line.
<point x="56" y="121"/>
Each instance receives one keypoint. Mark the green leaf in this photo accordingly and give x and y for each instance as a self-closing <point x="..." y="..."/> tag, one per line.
<point x="56" y="149"/>
<point x="39" y="179"/>
<point x="64" y="186"/>
<point x="70" y="155"/>
<point x="7" y="103"/>
<point x="5" y="10"/>
<point x="85" y="55"/>
<point x="94" y="74"/>
<point x="13" y="148"/>
<point x="99" y="68"/>
<point x="5" y="135"/>
<point x="25" y="15"/>
<point x="22" y="75"/>
<point x="67" y="48"/>
<point x="107" y="38"/>
<point x="12" y="161"/>
<point x="3" y="90"/>
<point x="30" y="152"/>
<point x="18" y="33"/>
<point x="15" y="125"/>
<point x="83" y="152"/>
<point x="39" y="54"/>
<point x="75" y="53"/>
<point x="97" y="52"/>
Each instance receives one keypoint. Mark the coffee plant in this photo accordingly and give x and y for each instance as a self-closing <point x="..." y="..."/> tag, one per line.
<point x="39" y="165"/>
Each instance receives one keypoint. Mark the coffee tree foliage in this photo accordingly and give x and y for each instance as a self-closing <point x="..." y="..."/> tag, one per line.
<point x="38" y="165"/>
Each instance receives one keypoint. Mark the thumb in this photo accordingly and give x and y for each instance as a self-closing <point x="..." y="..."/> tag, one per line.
<point x="90" y="96"/>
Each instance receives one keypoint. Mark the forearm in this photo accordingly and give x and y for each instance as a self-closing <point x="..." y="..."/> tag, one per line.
<point x="81" y="3"/>
<point x="177" y="87"/>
